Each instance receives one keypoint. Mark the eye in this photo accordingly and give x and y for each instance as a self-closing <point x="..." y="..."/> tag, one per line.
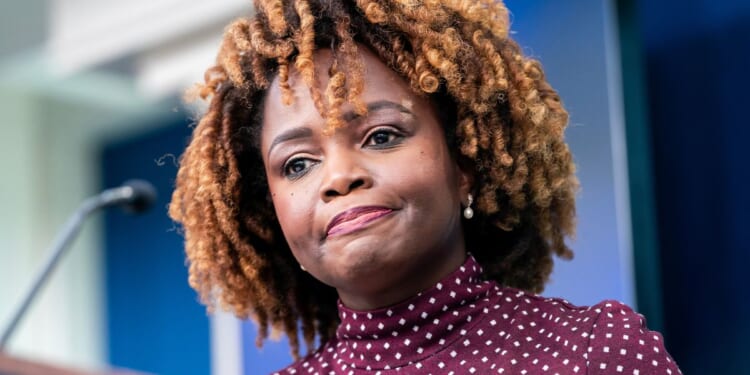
<point x="383" y="138"/>
<point x="297" y="167"/>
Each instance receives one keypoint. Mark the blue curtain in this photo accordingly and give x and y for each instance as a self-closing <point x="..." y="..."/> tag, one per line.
<point x="697" y="54"/>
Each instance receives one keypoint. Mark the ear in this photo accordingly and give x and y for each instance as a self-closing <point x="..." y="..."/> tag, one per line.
<point x="466" y="177"/>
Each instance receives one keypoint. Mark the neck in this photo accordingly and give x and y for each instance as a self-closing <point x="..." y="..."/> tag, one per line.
<point x="410" y="284"/>
<point x="418" y="327"/>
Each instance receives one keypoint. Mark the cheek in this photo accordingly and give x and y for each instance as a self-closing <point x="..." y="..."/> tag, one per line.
<point x="294" y="212"/>
<point x="427" y="176"/>
<point x="436" y="165"/>
<point x="286" y="210"/>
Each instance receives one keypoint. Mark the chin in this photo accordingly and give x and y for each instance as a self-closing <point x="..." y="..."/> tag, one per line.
<point x="362" y="259"/>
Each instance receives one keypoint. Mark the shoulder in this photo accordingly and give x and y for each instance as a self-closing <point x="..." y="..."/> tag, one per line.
<point x="531" y="323"/>
<point x="551" y="311"/>
<point x="608" y="337"/>
<point x="620" y="342"/>
<point x="314" y="362"/>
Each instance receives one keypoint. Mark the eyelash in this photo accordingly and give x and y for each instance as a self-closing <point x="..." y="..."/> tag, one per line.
<point x="397" y="137"/>
<point x="394" y="139"/>
<point x="295" y="175"/>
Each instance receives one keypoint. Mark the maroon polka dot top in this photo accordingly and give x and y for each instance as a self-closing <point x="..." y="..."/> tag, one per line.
<point x="464" y="325"/>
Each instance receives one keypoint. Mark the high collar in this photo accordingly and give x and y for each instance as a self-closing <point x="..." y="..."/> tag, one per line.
<point x="417" y="328"/>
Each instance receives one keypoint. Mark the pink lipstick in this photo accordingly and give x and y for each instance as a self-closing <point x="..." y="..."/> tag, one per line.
<point x="354" y="219"/>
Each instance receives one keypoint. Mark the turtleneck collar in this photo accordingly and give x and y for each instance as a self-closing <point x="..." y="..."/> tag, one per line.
<point x="416" y="328"/>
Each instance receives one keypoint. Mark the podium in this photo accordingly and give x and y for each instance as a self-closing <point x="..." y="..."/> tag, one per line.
<point x="17" y="366"/>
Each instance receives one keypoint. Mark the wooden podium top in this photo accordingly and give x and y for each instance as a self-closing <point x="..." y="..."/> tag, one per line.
<point x="17" y="366"/>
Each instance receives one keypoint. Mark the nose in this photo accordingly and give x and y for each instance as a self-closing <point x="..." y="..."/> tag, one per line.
<point x="343" y="174"/>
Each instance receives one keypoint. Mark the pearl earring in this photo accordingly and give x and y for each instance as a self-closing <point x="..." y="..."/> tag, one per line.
<point x="468" y="212"/>
<point x="303" y="268"/>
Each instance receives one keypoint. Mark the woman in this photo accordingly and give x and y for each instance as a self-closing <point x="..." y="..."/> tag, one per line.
<point x="391" y="179"/>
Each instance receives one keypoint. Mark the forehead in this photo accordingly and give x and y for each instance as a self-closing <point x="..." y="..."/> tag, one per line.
<point x="380" y="83"/>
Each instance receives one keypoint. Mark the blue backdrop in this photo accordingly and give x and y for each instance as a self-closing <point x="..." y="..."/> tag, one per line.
<point x="153" y="319"/>
<point x="697" y="54"/>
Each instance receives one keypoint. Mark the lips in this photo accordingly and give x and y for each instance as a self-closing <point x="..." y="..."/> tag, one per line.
<point x="354" y="219"/>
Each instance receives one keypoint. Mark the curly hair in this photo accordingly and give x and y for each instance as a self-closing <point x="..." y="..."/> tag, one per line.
<point x="499" y="113"/>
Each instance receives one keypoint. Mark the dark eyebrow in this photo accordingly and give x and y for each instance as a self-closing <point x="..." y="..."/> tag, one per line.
<point x="349" y="116"/>
<point x="294" y="133"/>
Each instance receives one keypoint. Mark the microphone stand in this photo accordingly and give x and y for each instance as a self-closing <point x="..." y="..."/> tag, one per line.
<point x="60" y="244"/>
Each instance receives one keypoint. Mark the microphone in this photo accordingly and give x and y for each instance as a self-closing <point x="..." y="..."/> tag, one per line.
<point x="134" y="196"/>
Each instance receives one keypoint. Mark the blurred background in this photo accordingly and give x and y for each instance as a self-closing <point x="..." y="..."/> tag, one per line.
<point x="90" y="93"/>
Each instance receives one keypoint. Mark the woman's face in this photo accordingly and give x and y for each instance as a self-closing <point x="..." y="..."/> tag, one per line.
<point x="374" y="208"/>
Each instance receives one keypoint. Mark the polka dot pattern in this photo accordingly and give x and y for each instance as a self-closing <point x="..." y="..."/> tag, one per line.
<point x="464" y="325"/>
